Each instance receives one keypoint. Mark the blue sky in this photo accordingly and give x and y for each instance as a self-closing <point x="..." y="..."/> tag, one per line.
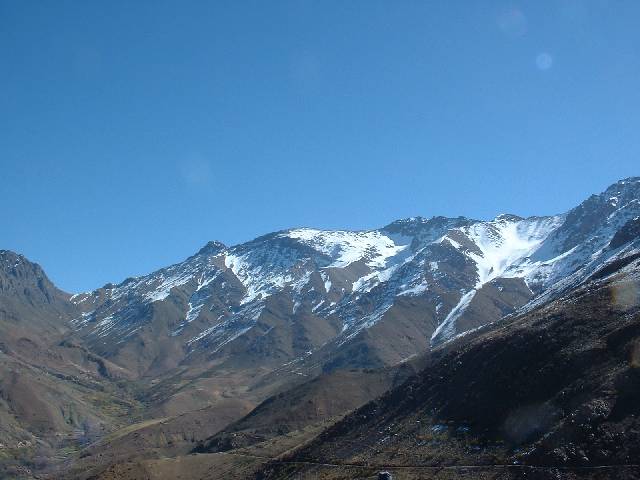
<point x="133" y="132"/>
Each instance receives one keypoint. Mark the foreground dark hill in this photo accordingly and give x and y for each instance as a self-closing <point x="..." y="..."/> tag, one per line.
<point x="552" y="394"/>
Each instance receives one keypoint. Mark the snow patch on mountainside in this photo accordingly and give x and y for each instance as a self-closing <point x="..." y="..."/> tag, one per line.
<point x="162" y="291"/>
<point x="447" y="328"/>
<point x="345" y="248"/>
<point x="258" y="279"/>
<point x="504" y="243"/>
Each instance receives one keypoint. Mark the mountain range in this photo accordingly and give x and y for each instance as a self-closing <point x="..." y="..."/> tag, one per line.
<point x="196" y="363"/>
<point x="304" y="295"/>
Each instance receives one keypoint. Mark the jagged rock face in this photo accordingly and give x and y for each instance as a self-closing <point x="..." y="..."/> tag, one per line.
<point x="22" y="280"/>
<point x="310" y="293"/>
<point x="627" y="234"/>
<point x="599" y="216"/>
<point x="30" y="305"/>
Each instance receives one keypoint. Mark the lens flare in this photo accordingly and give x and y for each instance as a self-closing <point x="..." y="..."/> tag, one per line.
<point x="634" y="359"/>
<point x="544" y="61"/>
<point x="512" y="22"/>
<point x="625" y="295"/>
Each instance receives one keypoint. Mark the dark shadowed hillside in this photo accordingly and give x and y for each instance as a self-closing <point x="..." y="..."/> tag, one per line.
<point x="552" y="394"/>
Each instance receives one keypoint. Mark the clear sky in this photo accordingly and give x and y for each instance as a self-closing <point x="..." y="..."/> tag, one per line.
<point x="132" y="132"/>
